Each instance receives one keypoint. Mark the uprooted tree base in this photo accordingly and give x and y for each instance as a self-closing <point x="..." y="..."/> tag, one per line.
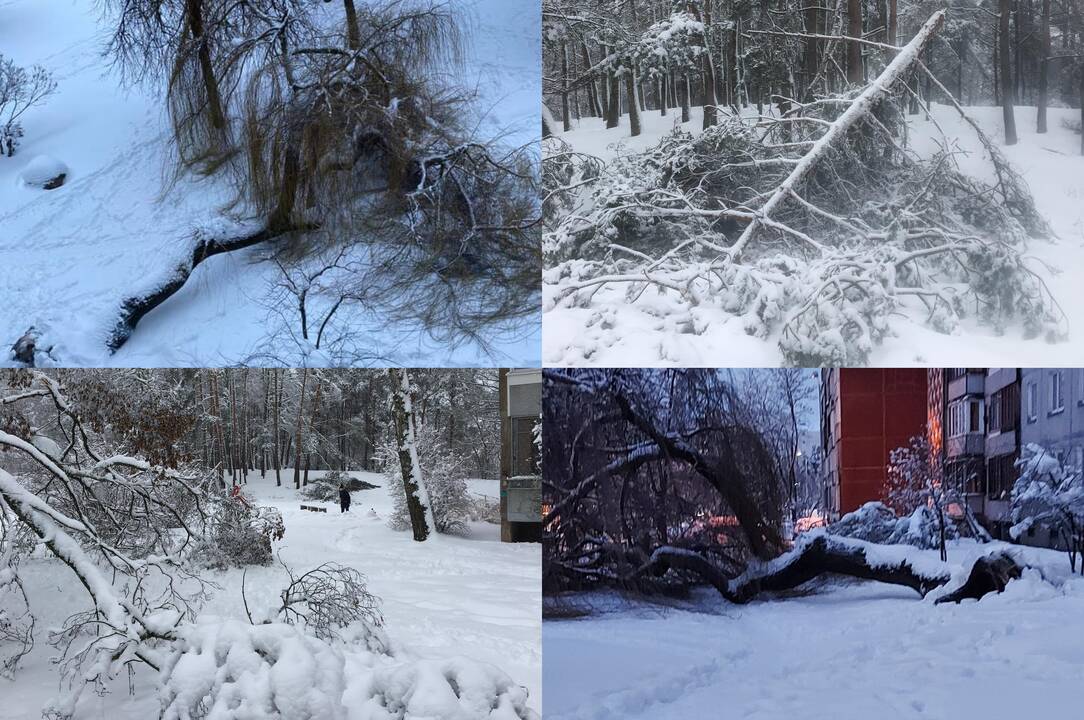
<point x="825" y="555"/>
<point x="813" y="225"/>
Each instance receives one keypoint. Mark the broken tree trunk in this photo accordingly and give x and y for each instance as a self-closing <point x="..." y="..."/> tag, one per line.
<point x="989" y="574"/>
<point x="819" y="554"/>
<point x="134" y="308"/>
<point x="860" y="107"/>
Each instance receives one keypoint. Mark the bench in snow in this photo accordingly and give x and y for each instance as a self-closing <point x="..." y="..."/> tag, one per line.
<point x="314" y="508"/>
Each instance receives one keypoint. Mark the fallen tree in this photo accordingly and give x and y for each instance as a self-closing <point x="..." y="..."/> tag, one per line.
<point x="813" y="225"/>
<point x="816" y="553"/>
<point x="131" y="532"/>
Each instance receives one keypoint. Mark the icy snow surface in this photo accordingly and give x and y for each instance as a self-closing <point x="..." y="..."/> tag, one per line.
<point x="655" y="332"/>
<point x="474" y="598"/>
<point x="850" y="651"/>
<point x="69" y="256"/>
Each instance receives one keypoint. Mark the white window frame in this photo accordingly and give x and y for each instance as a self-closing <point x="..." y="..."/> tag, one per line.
<point x="1057" y="392"/>
<point x="1032" y="394"/>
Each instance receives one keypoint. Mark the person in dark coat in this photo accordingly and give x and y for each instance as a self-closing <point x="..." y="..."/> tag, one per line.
<point x="344" y="498"/>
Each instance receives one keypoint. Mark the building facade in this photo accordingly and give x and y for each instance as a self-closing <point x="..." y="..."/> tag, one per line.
<point x="866" y="413"/>
<point x="521" y="478"/>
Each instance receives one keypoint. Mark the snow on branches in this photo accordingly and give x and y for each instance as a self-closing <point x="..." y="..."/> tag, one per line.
<point x="813" y="225"/>
<point x="1049" y="495"/>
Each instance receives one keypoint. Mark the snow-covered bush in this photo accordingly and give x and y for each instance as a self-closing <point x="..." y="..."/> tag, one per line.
<point x="443" y="473"/>
<point x="239" y="533"/>
<point x="224" y="669"/>
<point x="1049" y="495"/>
<point x="876" y="522"/>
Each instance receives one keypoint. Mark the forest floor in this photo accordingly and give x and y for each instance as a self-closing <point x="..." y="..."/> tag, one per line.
<point x="845" y="650"/>
<point x="119" y="225"/>
<point x="473" y="597"/>
<point x="653" y="331"/>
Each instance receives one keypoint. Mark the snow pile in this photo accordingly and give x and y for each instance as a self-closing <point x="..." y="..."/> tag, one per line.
<point x="224" y="669"/>
<point x="875" y="522"/>
<point x="43" y="170"/>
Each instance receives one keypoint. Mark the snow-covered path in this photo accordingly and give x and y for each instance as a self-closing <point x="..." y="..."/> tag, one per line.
<point x="454" y="597"/>
<point x="849" y="652"/>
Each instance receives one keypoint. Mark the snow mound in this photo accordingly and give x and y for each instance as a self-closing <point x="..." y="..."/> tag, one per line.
<point x="227" y="669"/>
<point x="43" y="170"/>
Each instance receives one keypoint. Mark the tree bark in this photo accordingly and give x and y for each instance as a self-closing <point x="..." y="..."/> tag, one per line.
<point x="1006" y="74"/>
<point x="405" y="437"/>
<point x="1044" y="53"/>
<point x="194" y="11"/>
<point x="634" y="104"/>
<point x="297" y="429"/>
<point x="855" y="74"/>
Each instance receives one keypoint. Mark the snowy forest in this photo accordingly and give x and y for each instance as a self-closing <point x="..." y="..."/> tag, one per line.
<point x="260" y="543"/>
<point x="687" y="558"/>
<point x="811" y="184"/>
<point x="364" y="165"/>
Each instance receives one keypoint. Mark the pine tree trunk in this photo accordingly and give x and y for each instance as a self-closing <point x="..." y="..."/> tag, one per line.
<point x="566" y="112"/>
<point x="297" y="430"/>
<point x="634" y="104"/>
<point x="855" y="75"/>
<point x="708" y="97"/>
<point x="1044" y="53"/>
<point x="613" y="99"/>
<point x="1006" y="75"/>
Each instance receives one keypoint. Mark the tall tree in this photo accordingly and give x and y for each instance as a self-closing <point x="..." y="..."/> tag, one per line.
<point x="403" y="417"/>
<point x="1005" y="64"/>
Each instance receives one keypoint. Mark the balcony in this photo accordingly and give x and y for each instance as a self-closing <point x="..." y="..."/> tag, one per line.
<point x="971" y="383"/>
<point x="972" y="443"/>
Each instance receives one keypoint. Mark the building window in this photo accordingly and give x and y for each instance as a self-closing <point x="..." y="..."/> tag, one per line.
<point x="956" y="373"/>
<point x="1000" y="476"/>
<point x="1005" y="409"/>
<point x="1057" y="392"/>
<point x="965" y="416"/>
<point x="1033" y="402"/>
<point x="524" y="448"/>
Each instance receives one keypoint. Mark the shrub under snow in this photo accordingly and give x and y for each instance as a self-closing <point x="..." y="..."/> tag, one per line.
<point x="875" y="522"/>
<point x="225" y="669"/>
<point x="1048" y="495"/>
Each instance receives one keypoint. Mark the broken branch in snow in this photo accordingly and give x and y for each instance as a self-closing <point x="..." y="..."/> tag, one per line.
<point x="813" y="227"/>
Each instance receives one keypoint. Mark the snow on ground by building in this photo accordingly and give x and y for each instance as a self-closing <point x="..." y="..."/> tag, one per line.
<point x="847" y="651"/>
<point x="475" y="597"/>
<point x="69" y="256"/>
<point x="655" y="332"/>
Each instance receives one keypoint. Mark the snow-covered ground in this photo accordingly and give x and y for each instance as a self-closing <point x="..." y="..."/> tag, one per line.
<point x="471" y="597"/>
<point x="69" y="256"/>
<point x="653" y="332"/>
<point x="849" y="651"/>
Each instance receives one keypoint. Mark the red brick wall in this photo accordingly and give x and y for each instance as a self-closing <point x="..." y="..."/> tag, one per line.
<point x="881" y="409"/>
